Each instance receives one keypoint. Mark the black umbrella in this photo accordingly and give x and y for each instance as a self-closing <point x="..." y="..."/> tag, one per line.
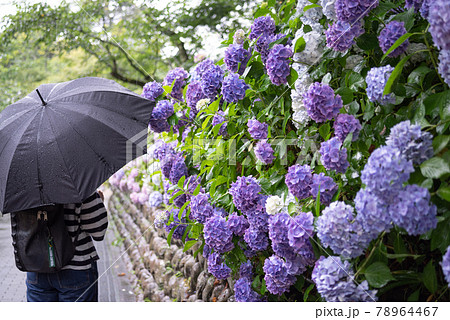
<point x="59" y="143"/>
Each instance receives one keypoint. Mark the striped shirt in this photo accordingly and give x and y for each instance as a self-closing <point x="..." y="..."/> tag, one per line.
<point x="93" y="221"/>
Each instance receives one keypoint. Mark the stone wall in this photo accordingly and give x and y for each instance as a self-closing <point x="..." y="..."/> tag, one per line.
<point x="161" y="272"/>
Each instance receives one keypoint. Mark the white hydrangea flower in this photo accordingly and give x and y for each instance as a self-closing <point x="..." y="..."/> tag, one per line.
<point x="202" y="103"/>
<point x="239" y="36"/>
<point x="328" y="9"/>
<point x="353" y="61"/>
<point x="274" y="204"/>
<point x="300" y="116"/>
<point x="156" y="179"/>
<point x="315" y="45"/>
<point x="313" y="14"/>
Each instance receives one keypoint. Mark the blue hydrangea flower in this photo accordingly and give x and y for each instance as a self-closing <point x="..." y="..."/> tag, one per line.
<point x="178" y="75"/>
<point x="299" y="180"/>
<point x="262" y="26"/>
<point x="200" y="68"/>
<point x="163" y="110"/>
<point x="414" y="212"/>
<point x="335" y="283"/>
<point x="417" y="4"/>
<point x="217" y="234"/>
<point x="439" y="18"/>
<point x="297" y="264"/>
<point x="425" y="9"/>
<point x="376" y="81"/>
<point x="277" y="64"/>
<point x="321" y="103"/>
<point x="201" y="209"/>
<point x="444" y="65"/>
<point x="178" y="170"/>
<point x="257" y="215"/>
<point x="212" y="81"/>
<point x="155" y="199"/>
<point x="341" y="35"/>
<point x="390" y="34"/>
<point x="385" y="172"/>
<point x="264" y="152"/>
<point x="301" y="228"/>
<point x="194" y="94"/>
<point x="237" y="224"/>
<point x="246" y="270"/>
<point x="243" y="291"/>
<point x="336" y="230"/>
<point x="236" y="58"/>
<point x="445" y="264"/>
<point x="245" y="192"/>
<point x="332" y="156"/>
<point x="219" y="117"/>
<point x="257" y="130"/>
<point x="217" y="267"/>
<point x="327" y="188"/>
<point x="152" y="90"/>
<point x="415" y="145"/>
<point x="346" y="124"/>
<point x="373" y="214"/>
<point x="159" y="126"/>
<point x="256" y="239"/>
<point x="353" y="10"/>
<point x="278" y="279"/>
<point x="233" y="88"/>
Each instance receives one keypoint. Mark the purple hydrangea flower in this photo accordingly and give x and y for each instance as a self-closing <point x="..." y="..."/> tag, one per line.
<point x="218" y="118"/>
<point x="279" y="226"/>
<point x="336" y="229"/>
<point x="264" y="152"/>
<point x="262" y="26"/>
<point x="445" y="264"/>
<point x="176" y="76"/>
<point x="256" y="239"/>
<point x="444" y="65"/>
<point x="246" y="270"/>
<point x="217" y="234"/>
<point x="167" y="164"/>
<point x="321" y="103"/>
<point x="414" y="212"/>
<point x="301" y="228"/>
<point x="299" y="180"/>
<point x="327" y="188"/>
<point x="163" y="110"/>
<point x="155" y="199"/>
<point x="194" y="94"/>
<point x="159" y="126"/>
<point x="413" y="3"/>
<point x="201" y="209"/>
<point x="335" y="283"/>
<point x="245" y="192"/>
<point x="439" y="18"/>
<point x="341" y="35"/>
<point x="332" y="156"/>
<point x="278" y="64"/>
<point x="415" y="145"/>
<point x="257" y="130"/>
<point x="376" y="80"/>
<point x="243" y="291"/>
<point x="353" y="10"/>
<point x="178" y="170"/>
<point x="257" y="215"/>
<point x="346" y="124"/>
<point x="390" y="34"/>
<point x="385" y="172"/>
<point x="373" y="214"/>
<point x="152" y="90"/>
<point x="162" y="149"/>
<point x="212" y="81"/>
<point x="180" y="225"/>
<point x="425" y="9"/>
<point x="221" y="212"/>
<point x="235" y="55"/>
<point x="200" y="69"/>
<point x="217" y="267"/>
<point x="233" y="88"/>
<point x="237" y="224"/>
<point x="278" y="279"/>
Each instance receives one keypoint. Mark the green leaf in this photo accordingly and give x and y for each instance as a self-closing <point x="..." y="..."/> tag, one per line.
<point x="429" y="277"/>
<point x="306" y="8"/>
<point x="394" y="75"/>
<point x="444" y="193"/>
<point x="440" y="237"/>
<point x="418" y="74"/>
<point x="180" y="183"/>
<point x="292" y="77"/>
<point x="440" y="142"/>
<point x="397" y="44"/>
<point x="346" y="94"/>
<point x="169" y="236"/>
<point x="434" y="168"/>
<point x="356" y="81"/>
<point x="367" y="41"/>
<point x="378" y="274"/>
<point x="189" y="245"/>
<point x="407" y="17"/>
<point x="414" y="297"/>
<point x="300" y="45"/>
<point x="307" y="291"/>
<point x="324" y="130"/>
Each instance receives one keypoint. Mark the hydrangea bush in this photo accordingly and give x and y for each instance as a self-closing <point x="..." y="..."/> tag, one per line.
<point x="311" y="162"/>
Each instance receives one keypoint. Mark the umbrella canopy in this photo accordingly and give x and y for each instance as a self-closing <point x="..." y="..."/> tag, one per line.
<point x="59" y="143"/>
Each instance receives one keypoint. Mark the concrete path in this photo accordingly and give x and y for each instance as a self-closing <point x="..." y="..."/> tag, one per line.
<point x="113" y="281"/>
